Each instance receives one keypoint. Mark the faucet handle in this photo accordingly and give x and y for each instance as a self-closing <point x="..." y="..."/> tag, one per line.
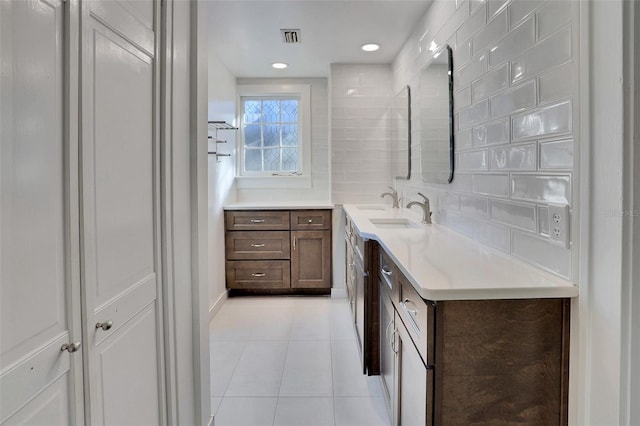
<point x="423" y="196"/>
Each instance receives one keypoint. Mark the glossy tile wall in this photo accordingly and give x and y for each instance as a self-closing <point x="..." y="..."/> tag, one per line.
<point x="515" y="95"/>
<point x="360" y="132"/>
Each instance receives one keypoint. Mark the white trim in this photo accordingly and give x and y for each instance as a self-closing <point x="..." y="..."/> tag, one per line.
<point x="217" y="305"/>
<point x="303" y="91"/>
<point x="338" y="293"/>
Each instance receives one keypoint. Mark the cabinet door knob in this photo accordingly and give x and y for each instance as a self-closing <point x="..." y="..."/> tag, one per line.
<point x="71" y="347"/>
<point x="106" y="325"/>
<point x="310" y="220"/>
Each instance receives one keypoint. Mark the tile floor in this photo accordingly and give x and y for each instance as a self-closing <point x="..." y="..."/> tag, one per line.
<point x="290" y="361"/>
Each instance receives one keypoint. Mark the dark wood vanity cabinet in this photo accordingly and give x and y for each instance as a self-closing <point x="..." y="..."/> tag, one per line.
<point x="458" y="362"/>
<point x="278" y="251"/>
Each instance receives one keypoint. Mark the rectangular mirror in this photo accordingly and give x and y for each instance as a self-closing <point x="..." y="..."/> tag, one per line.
<point x="401" y="134"/>
<point x="436" y="118"/>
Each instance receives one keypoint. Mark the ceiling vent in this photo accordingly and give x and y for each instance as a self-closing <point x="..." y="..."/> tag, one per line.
<point x="290" y="36"/>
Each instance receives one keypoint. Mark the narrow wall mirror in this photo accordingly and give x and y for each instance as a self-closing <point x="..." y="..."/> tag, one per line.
<point x="436" y="118"/>
<point x="401" y="134"/>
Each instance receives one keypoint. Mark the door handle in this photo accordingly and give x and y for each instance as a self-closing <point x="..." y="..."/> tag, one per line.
<point x="294" y="242"/>
<point x="257" y="245"/>
<point x="385" y="270"/>
<point x="404" y="306"/>
<point x="106" y="325"/>
<point x="71" y="347"/>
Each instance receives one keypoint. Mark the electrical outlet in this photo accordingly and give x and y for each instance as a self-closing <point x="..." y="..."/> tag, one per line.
<point x="559" y="223"/>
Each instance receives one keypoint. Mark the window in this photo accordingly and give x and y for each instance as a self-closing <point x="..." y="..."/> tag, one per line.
<point x="274" y="144"/>
<point x="270" y="134"/>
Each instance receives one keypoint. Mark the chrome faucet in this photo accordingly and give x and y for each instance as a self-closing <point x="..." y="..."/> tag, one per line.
<point x="426" y="211"/>
<point x="394" y="196"/>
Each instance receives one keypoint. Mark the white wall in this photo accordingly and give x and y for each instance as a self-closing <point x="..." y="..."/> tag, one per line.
<point x="515" y="91"/>
<point x="320" y="189"/>
<point x="222" y="107"/>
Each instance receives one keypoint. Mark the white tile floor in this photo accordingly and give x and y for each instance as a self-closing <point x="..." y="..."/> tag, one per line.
<point x="290" y="361"/>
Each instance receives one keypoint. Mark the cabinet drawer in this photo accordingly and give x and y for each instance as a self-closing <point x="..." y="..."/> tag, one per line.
<point x="249" y="245"/>
<point x="311" y="219"/>
<point x="249" y="274"/>
<point x="256" y="219"/>
<point x="418" y="317"/>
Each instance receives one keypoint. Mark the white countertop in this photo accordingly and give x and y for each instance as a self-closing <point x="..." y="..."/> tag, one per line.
<point x="444" y="265"/>
<point x="279" y="205"/>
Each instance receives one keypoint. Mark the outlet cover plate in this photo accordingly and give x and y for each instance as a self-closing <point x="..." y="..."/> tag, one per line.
<point x="559" y="224"/>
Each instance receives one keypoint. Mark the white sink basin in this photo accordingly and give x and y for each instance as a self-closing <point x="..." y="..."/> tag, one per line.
<point x="371" y="207"/>
<point x="399" y="223"/>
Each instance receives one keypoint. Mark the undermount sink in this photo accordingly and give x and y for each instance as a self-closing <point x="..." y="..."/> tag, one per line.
<point x="398" y="223"/>
<point x="371" y="207"/>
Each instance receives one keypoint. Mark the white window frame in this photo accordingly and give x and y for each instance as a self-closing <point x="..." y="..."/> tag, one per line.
<point x="267" y="179"/>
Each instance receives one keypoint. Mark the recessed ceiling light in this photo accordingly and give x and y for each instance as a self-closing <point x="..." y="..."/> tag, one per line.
<point x="279" y="65"/>
<point x="370" y="47"/>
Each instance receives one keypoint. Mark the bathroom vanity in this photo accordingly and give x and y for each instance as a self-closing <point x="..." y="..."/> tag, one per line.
<point x="271" y="249"/>
<point x="459" y="333"/>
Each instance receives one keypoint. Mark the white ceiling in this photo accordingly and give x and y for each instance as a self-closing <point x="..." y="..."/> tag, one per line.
<point x="245" y="34"/>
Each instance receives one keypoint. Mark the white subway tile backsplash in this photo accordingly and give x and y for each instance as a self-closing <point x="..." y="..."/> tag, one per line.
<point x="474" y="114"/>
<point x="491" y="184"/>
<point x="552" y="16"/>
<point x="472" y="161"/>
<point x="514" y="100"/>
<point x="461" y="53"/>
<point x="540" y="252"/>
<point x="496" y="6"/>
<point x="492" y="235"/>
<point x="491" y="133"/>
<point x="473" y="24"/>
<point x="514" y="214"/>
<point x="547" y="188"/>
<point x="513" y="44"/>
<point x="543" y="220"/>
<point x="521" y="157"/>
<point x="474" y="69"/>
<point x="546" y="121"/>
<point x="475" y="4"/>
<point x="449" y="201"/>
<point x="462" y="139"/>
<point x="556" y="85"/>
<point x="556" y="154"/>
<point x="475" y="206"/>
<point x="519" y="10"/>
<point x="548" y="53"/>
<point x="490" y="83"/>
<point x="494" y="30"/>
<point x="462" y="98"/>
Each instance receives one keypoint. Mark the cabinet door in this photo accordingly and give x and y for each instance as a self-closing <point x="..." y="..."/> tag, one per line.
<point x="120" y="205"/>
<point x="39" y="288"/>
<point x="414" y="382"/>
<point x="349" y="278"/>
<point x="359" y="281"/>
<point x="310" y="259"/>
<point x="387" y="353"/>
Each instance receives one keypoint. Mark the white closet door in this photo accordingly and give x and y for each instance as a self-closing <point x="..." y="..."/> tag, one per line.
<point x="39" y="383"/>
<point x="120" y="221"/>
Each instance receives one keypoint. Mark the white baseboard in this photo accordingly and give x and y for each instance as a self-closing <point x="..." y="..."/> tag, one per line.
<point x="338" y="293"/>
<point x="215" y="308"/>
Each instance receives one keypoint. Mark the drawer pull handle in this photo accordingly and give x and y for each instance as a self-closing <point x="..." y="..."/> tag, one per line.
<point x="404" y="306"/>
<point x="258" y="274"/>
<point x="257" y="245"/>
<point x="310" y="220"/>
<point x="257" y="220"/>
<point x="386" y="331"/>
<point x="106" y="325"/>
<point x="393" y="341"/>
<point x="294" y="242"/>
<point x="385" y="270"/>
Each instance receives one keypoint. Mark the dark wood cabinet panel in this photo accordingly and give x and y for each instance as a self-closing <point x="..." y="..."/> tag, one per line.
<point x="264" y="239"/>
<point x="311" y="219"/>
<point x="256" y="274"/>
<point x="502" y="361"/>
<point x="311" y="259"/>
<point x="252" y="245"/>
<point x="245" y="220"/>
